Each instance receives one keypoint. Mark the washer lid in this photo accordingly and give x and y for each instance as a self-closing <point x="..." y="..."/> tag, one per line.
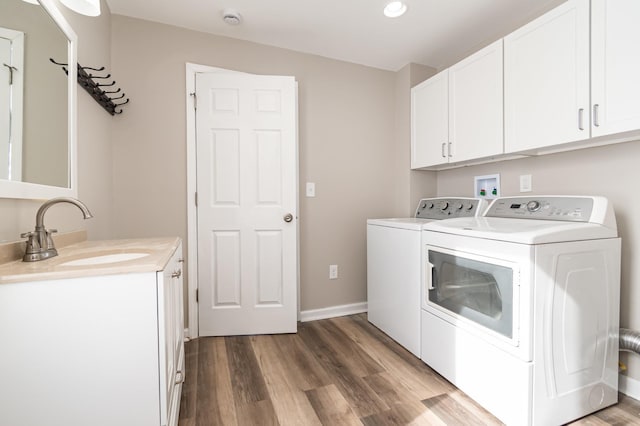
<point x="524" y="231"/>
<point x="400" y="223"/>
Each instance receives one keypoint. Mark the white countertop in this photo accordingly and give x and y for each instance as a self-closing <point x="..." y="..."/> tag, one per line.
<point x="160" y="251"/>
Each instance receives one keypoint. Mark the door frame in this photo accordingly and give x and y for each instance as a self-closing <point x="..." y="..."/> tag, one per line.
<point x="193" y="330"/>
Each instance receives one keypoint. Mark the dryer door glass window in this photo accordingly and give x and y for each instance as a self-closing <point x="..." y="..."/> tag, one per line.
<point x="476" y="290"/>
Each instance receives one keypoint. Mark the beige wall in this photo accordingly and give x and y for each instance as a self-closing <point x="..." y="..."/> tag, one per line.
<point x="346" y="134"/>
<point x="94" y="148"/>
<point x="611" y="171"/>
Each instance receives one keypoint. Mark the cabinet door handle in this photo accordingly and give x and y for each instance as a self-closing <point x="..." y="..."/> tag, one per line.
<point x="449" y="149"/>
<point x="596" y="120"/>
<point x="442" y="149"/>
<point x="179" y="377"/>
<point x="581" y="119"/>
<point x="177" y="274"/>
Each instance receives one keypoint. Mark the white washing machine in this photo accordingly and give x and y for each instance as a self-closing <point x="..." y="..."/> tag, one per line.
<point x="520" y="307"/>
<point x="394" y="266"/>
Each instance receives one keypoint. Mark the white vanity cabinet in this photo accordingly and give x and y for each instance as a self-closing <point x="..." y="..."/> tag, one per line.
<point x="93" y="350"/>
<point x="546" y="79"/>
<point x="457" y="115"/>
<point x="615" y="66"/>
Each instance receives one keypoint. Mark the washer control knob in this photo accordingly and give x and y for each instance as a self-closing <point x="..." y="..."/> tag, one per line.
<point x="533" y="206"/>
<point x="444" y="205"/>
<point x="459" y="206"/>
<point x="424" y="206"/>
<point x="470" y="207"/>
<point x="431" y="205"/>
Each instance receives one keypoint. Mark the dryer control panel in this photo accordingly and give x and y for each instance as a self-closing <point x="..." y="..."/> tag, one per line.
<point x="447" y="208"/>
<point x="574" y="209"/>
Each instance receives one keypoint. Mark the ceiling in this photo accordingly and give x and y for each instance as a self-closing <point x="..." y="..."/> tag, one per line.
<point x="436" y="33"/>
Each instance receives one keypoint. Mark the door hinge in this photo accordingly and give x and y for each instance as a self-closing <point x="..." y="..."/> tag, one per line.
<point x="197" y="295"/>
<point x="196" y="199"/>
<point x="195" y="100"/>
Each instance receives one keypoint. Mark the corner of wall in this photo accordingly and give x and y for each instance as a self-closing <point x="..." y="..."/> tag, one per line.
<point x="419" y="73"/>
<point x="411" y="185"/>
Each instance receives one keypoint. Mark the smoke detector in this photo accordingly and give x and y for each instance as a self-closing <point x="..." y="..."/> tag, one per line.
<point x="231" y="17"/>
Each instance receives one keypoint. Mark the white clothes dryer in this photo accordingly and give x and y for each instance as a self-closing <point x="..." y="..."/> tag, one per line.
<point x="394" y="266"/>
<point x="524" y="306"/>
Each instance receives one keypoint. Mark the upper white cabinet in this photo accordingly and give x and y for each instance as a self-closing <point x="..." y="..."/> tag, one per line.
<point x="476" y="105"/>
<point x="615" y="69"/>
<point x="566" y="80"/>
<point x="456" y="115"/>
<point x="546" y="79"/>
<point x="430" y="121"/>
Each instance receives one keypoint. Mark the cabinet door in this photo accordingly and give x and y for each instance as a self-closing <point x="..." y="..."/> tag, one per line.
<point x="546" y="74"/>
<point x="429" y="122"/>
<point x="171" y="330"/>
<point x="476" y="105"/>
<point x="615" y="82"/>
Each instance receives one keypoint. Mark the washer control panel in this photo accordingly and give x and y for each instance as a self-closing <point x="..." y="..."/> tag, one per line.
<point x="574" y="209"/>
<point x="447" y="208"/>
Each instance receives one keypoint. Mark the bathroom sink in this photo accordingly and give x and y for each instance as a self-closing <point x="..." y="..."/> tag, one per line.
<point x="104" y="259"/>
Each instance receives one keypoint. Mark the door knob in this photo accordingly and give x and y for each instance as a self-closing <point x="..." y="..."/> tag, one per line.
<point x="288" y="217"/>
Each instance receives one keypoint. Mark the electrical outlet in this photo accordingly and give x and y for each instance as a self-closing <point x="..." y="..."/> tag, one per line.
<point x="525" y="183"/>
<point x="333" y="272"/>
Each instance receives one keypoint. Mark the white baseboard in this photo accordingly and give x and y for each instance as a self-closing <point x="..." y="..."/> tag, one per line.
<point x="333" y="311"/>
<point x="629" y="386"/>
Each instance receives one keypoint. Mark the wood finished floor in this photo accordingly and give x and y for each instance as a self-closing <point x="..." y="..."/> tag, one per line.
<point x="340" y="371"/>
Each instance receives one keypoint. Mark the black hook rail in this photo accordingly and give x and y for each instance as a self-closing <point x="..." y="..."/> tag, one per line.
<point x="86" y="81"/>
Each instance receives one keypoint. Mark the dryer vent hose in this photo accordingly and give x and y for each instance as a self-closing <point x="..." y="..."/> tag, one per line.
<point x="629" y="340"/>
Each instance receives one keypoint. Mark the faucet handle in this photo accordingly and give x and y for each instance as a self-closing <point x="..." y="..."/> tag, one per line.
<point x="33" y="245"/>
<point x="50" y="244"/>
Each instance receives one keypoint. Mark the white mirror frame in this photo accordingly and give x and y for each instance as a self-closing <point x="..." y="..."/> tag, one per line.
<point x="25" y="190"/>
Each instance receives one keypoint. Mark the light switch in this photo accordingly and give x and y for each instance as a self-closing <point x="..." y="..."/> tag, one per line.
<point x="311" y="189"/>
<point x="525" y="183"/>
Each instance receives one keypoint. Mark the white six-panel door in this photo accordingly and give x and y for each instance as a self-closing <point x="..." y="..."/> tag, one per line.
<point x="246" y="131"/>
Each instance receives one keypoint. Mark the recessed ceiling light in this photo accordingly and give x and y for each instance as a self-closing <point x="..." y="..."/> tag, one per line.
<point x="395" y="9"/>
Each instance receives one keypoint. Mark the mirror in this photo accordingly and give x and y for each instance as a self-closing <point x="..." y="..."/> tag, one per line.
<point x="37" y="101"/>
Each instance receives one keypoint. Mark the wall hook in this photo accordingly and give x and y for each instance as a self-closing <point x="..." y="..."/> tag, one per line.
<point x="90" y="68"/>
<point x="58" y="63"/>
<point x="97" y="76"/>
<point x="122" y="103"/>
